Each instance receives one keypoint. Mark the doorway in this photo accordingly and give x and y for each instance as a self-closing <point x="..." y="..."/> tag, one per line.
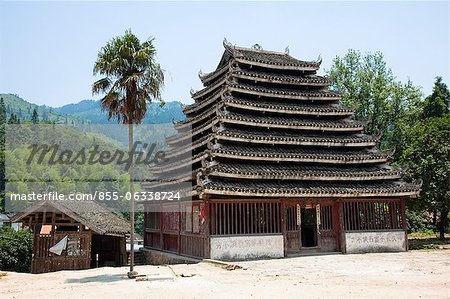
<point x="308" y="227"/>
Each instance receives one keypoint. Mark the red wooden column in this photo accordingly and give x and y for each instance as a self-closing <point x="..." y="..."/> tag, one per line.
<point x="207" y="237"/>
<point x="283" y="225"/>
<point x="336" y="223"/>
<point x="341" y="232"/>
<point x="161" y="224"/>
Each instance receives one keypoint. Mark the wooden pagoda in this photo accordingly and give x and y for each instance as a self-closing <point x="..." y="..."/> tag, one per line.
<point x="275" y="166"/>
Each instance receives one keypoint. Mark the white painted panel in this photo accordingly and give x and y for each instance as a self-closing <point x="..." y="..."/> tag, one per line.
<point x="246" y="247"/>
<point x="383" y="241"/>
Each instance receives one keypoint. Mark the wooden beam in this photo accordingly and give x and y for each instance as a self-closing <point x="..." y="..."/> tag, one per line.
<point x="44" y="216"/>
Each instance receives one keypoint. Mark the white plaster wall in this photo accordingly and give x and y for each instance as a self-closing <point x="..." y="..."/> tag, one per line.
<point x="246" y="247"/>
<point x="383" y="241"/>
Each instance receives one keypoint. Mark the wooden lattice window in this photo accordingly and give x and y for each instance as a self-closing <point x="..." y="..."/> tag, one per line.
<point x="373" y="215"/>
<point x="191" y="218"/>
<point x="245" y="218"/>
<point x="153" y="217"/>
<point x="326" y="217"/>
<point x="170" y="216"/>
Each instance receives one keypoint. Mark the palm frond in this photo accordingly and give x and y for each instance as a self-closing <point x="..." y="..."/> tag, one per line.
<point x="101" y="86"/>
<point x="132" y="77"/>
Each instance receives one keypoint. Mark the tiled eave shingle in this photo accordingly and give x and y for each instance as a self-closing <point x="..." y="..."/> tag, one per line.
<point x="308" y="189"/>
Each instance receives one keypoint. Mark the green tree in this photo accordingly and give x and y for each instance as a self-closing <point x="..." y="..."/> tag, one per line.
<point x="35" y="116"/>
<point x="2" y="112"/>
<point x="13" y="119"/>
<point x="15" y="249"/>
<point x="370" y="88"/>
<point x="131" y="78"/>
<point x="437" y="103"/>
<point x="2" y="153"/>
<point x="428" y="159"/>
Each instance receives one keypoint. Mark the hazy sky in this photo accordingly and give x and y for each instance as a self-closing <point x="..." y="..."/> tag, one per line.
<point x="48" y="48"/>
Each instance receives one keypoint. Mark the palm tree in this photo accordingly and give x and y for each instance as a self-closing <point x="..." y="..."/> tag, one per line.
<point x="131" y="78"/>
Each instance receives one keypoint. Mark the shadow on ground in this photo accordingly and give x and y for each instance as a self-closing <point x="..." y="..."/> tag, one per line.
<point x="428" y="243"/>
<point x="98" y="278"/>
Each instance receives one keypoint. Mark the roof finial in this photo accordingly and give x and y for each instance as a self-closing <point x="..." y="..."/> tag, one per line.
<point x="319" y="59"/>
<point x="192" y="91"/>
<point x="226" y="43"/>
<point x="257" y="47"/>
<point x="200" y="73"/>
<point x="286" y="51"/>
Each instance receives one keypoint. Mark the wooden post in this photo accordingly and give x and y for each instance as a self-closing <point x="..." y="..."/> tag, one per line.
<point x="283" y="226"/>
<point x="35" y="247"/>
<point x="341" y="227"/>
<point x="44" y="216"/>
<point x="405" y="228"/>
<point x="53" y="220"/>
<point x="30" y="222"/>
<point x="207" y="240"/>
<point x="336" y="222"/>
<point x="161" y="223"/>
<point x="179" y="228"/>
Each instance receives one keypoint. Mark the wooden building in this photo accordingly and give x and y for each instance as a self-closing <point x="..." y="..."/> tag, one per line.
<point x="95" y="236"/>
<point x="277" y="167"/>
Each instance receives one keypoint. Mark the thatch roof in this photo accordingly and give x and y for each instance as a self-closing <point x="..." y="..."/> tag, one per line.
<point x="89" y="213"/>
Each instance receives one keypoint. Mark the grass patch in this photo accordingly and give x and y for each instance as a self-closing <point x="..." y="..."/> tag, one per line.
<point x="426" y="242"/>
<point x="422" y="235"/>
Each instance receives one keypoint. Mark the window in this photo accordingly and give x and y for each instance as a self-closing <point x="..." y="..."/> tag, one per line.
<point x="170" y="217"/>
<point x="245" y="218"/>
<point x="192" y="218"/>
<point x="153" y="217"/>
<point x="188" y="218"/>
<point x="326" y="217"/>
<point x="373" y="215"/>
<point x="73" y="246"/>
<point x="46" y="229"/>
<point x="195" y="218"/>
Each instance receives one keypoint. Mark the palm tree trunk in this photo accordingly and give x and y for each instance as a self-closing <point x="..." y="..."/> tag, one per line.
<point x="130" y="150"/>
<point x="443" y="223"/>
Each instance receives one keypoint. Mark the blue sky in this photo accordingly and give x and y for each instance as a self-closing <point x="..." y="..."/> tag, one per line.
<point x="47" y="49"/>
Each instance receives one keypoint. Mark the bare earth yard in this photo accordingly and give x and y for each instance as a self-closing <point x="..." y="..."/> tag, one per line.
<point x="388" y="275"/>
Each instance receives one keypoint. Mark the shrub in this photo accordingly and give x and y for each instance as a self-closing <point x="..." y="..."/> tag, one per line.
<point x="15" y="249"/>
<point x="418" y="221"/>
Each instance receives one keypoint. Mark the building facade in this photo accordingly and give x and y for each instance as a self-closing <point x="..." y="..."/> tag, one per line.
<point x="276" y="166"/>
<point x="88" y="235"/>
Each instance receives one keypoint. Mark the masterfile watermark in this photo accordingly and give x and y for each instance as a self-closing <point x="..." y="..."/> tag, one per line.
<point x="56" y="155"/>
<point x="139" y="196"/>
<point x="61" y="162"/>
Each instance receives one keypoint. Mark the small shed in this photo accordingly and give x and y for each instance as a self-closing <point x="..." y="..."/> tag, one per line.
<point x="89" y="234"/>
<point x="5" y="220"/>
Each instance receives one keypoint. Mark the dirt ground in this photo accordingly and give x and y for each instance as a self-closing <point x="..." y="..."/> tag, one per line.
<point x="416" y="274"/>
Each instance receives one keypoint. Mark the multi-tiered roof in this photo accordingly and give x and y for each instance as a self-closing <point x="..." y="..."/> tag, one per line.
<point x="266" y="125"/>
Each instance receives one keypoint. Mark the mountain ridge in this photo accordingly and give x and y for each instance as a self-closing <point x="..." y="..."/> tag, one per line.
<point x="87" y="111"/>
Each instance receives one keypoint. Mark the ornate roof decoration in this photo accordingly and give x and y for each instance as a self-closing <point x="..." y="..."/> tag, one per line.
<point x="257" y="47"/>
<point x="226" y="43"/>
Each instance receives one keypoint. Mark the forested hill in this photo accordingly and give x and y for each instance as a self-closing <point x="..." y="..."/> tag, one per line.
<point x="91" y="111"/>
<point x="86" y="111"/>
<point x="23" y="110"/>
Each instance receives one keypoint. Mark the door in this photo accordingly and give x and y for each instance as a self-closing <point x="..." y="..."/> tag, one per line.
<point x="301" y="226"/>
<point x="292" y="227"/>
<point x="308" y="227"/>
